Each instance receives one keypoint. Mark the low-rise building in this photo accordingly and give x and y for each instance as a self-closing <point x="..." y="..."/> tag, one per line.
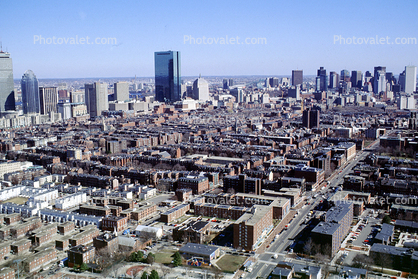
<point x="39" y="260"/>
<point x="205" y="252"/>
<point x="174" y="213"/>
<point x="80" y="254"/>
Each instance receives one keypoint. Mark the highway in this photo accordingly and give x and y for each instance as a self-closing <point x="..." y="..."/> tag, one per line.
<point x="265" y="262"/>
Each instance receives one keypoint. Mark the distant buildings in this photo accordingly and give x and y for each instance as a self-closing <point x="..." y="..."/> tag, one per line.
<point x="30" y="93"/>
<point x="49" y="99"/>
<point x="379" y="79"/>
<point x="297" y="77"/>
<point x="7" y="96"/>
<point x="96" y="98"/>
<point x="167" y="76"/>
<point x="333" y="80"/>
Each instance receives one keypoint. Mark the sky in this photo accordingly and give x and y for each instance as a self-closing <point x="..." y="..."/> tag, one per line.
<point x="275" y="37"/>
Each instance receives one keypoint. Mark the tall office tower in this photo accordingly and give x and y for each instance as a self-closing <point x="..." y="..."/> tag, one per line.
<point x="7" y="95"/>
<point x="274" y="82"/>
<point x="267" y="82"/>
<point x="323" y="79"/>
<point x="30" y="93"/>
<point x="230" y="82"/>
<point x="408" y="79"/>
<point x="225" y="84"/>
<point x="379" y="68"/>
<point x="333" y="80"/>
<point x="379" y="82"/>
<point x="345" y="75"/>
<point x="297" y="77"/>
<point x="294" y="92"/>
<point x="201" y="89"/>
<point x="48" y="97"/>
<point x="121" y="90"/>
<point x="310" y="118"/>
<point x="356" y="79"/>
<point x="167" y="76"/>
<point x="96" y="98"/>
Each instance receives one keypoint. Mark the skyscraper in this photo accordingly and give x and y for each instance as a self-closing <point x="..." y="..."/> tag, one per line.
<point x="408" y="79"/>
<point x="30" y="93"/>
<point x="297" y="77"/>
<point x="201" y="89"/>
<point x="225" y="84"/>
<point x="333" y="80"/>
<point x="167" y="76"/>
<point x="7" y="96"/>
<point x="379" y="81"/>
<point x="323" y="80"/>
<point x="310" y="118"/>
<point x="96" y="98"/>
<point x="49" y="99"/>
<point x="121" y="91"/>
<point x="356" y="79"/>
<point x="345" y="75"/>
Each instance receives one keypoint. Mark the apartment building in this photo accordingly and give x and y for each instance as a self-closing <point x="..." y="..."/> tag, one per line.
<point x="80" y="254"/>
<point x="7" y="273"/>
<point x="20" y="246"/>
<point x="66" y="227"/>
<point x="113" y="223"/>
<point x="39" y="260"/>
<point x="143" y="211"/>
<point x="84" y="237"/>
<point x="198" y="184"/>
<point x="174" y="213"/>
<point x="252" y="227"/>
<point x="331" y="232"/>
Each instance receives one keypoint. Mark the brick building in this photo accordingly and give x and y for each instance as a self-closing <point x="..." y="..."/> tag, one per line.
<point x="80" y="254"/>
<point x="84" y="237"/>
<point x="66" y="227"/>
<point x="37" y="261"/>
<point x="174" y="213"/>
<point x="194" y="231"/>
<point x="112" y="223"/>
<point x="143" y="211"/>
<point x="198" y="184"/>
<point x="20" y="246"/>
<point x="250" y="228"/>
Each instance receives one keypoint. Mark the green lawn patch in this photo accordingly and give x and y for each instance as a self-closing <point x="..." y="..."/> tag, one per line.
<point x="230" y="263"/>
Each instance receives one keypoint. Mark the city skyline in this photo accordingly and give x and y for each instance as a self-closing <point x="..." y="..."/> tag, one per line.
<point x="283" y="50"/>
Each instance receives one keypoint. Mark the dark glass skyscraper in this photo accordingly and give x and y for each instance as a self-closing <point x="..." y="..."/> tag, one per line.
<point x="167" y="76"/>
<point x="7" y="96"/>
<point x="297" y="77"/>
<point x="30" y="93"/>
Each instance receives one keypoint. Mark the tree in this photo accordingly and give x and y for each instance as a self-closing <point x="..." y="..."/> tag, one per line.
<point x="386" y="219"/>
<point x="177" y="259"/>
<point x="362" y="261"/>
<point x="144" y="275"/>
<point x="154" y="275"/>
<point x="150" y="258"/>
<point x="84" y="267"/>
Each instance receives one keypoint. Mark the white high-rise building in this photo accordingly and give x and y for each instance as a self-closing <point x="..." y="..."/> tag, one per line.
<point x="409" y="80"/>
<point x="121" y="91"/>
<point x="406" y="102"/>
<point x="379" y="81"/>
<point x="201" y="89"/>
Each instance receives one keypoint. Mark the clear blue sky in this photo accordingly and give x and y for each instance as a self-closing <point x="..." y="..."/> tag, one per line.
<point x="299" y="35"/>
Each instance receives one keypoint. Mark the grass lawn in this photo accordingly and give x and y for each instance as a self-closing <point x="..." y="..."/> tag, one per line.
<point x="17" y="200"/>
<point x="164" y="258"/>
<point x="230" y="263"/>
